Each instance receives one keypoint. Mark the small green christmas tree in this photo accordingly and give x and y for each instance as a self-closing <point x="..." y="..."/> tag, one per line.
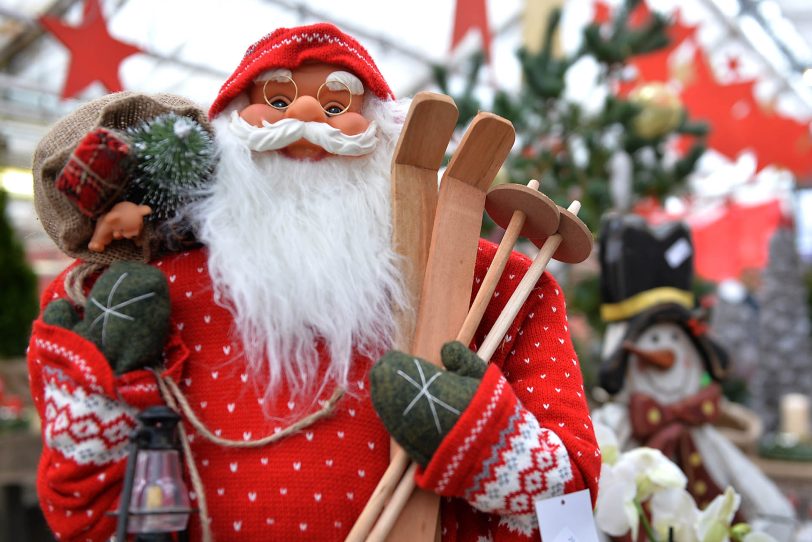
<point x="18" y="295"/>
<point x="173" y="160"/>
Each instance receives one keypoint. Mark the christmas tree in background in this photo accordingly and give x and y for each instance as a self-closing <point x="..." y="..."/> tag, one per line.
<point x="610" y="156"/>
<point x="583" y="141"/>
<point x="735" y="325"/>
<point x="18" y="296"/>
<point x="785" y="363"/>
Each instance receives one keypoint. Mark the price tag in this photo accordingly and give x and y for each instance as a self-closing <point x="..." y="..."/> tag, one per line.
<point x="678" y="253"/>
<point x="567" y="518"/>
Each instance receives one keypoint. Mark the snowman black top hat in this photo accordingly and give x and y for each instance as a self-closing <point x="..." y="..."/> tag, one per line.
<point x="642" y="267"/>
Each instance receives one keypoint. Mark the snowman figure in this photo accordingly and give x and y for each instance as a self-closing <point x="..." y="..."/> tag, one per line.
<point x="662" y="370"/>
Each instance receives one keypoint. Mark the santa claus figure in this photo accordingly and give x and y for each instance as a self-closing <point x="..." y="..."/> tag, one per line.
<point x="275" y="322"/>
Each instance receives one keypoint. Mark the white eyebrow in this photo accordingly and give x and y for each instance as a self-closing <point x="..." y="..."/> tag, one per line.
<point x="280" y="75"/>
<point x="338" y="80"/>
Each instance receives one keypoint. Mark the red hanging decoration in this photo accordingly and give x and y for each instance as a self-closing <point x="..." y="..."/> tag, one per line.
<point x="737" y="240"/>
<point x="471" y="15"/>
<point x="602" y="13"/>
<point x="729" y="239"/>
<point x="738" y="121"/>
<point x="95" y="54"/>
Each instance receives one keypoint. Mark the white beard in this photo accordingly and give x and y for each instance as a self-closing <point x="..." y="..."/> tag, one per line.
<point x="300" y="253"/>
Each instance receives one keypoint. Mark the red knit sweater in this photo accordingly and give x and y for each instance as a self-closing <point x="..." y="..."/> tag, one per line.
<point x="526" y="434"/>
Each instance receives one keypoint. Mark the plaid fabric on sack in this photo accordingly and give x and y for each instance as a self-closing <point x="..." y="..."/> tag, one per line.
<point x="94" y="176"/>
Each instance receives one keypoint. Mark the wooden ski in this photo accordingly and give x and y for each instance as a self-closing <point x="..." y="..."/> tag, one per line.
<point x="418" y="156"/>
<point x="446" y="292"/>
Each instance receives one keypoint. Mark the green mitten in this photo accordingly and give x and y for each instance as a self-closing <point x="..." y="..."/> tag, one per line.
<point x="420" y="403"/>
<point x="60" y="313"/>
<point x="458" y="358"/>
<point x="126" y="316"/>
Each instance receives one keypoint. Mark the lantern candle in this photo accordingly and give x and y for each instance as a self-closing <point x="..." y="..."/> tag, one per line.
<point x="795" y="415"/>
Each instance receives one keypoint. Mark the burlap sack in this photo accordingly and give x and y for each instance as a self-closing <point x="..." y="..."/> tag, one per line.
<point x="62" y="220"/>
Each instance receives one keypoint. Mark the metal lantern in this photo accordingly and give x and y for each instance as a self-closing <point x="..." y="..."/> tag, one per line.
<point x="154" y="501"/>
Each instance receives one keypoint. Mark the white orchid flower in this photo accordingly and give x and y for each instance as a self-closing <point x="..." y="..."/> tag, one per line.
<point x="607" y="442"/>
<point x="714" y="521"/>
<point x="646" y="475"/>
<point x="632" y="479"/>
<point x="653" y="471"/>
<point x="615" y="510"/>
<point x="675" y="509"/>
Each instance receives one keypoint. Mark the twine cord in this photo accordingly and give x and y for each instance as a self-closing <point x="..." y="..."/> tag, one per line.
<point x="75" y="279"/>
<point x="187" y="411"/>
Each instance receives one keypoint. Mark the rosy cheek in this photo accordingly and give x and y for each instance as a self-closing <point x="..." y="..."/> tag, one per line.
<point x="254" y="114"/>
<point x="349" y="123"/>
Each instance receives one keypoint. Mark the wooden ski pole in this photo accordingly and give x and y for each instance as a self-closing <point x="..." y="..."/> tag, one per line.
<point x="577" y="248"/>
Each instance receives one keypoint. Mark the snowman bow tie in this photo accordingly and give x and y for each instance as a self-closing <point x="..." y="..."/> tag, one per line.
<point x="649" y="418"/>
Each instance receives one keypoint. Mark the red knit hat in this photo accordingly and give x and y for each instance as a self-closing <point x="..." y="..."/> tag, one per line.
<point x="291" y="47"/>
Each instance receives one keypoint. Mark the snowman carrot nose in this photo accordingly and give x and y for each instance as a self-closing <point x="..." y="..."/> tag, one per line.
<point x="660" y="359"/>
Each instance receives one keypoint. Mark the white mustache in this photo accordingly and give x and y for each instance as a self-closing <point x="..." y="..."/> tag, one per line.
<point x="280" y="134"/>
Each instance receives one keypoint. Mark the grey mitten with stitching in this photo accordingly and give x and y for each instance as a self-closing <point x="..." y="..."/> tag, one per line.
<point x="418" y="402"/>
<point x="126" y="316"/>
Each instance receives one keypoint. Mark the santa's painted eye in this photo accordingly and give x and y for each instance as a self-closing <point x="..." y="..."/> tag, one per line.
<point x="674" y="336"/>
<point x="655" y="338"/>
<point x="279" y="102"/>
<point x="335" y="98"/>
<point x="281" y="94"/>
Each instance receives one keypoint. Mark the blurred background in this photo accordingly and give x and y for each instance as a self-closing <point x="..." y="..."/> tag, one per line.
<point x="695" y="111"/>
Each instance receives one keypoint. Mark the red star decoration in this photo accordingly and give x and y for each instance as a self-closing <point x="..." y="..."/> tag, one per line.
<point x="739" y="122"/>
<point x="603" y="13"/>
<point x="471" y="15"/>
<point x="639" y="15"/>
<point x="95" y="54"/>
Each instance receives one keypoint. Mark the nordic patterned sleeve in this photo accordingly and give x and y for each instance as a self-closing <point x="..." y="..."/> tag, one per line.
<point x="87" y="416"/>
<point x="527" y="434"/>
